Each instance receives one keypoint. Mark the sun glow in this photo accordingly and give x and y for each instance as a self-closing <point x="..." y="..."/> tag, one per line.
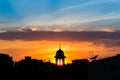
<point x="46" y="50"/>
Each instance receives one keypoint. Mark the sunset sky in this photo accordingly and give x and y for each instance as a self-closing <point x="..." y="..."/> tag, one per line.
<point x="82" y="27"/>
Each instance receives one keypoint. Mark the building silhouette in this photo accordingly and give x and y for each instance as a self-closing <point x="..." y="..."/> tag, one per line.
<point x="6" y="62"/>
<point x="28" y="64"/>
<point x="105" y="69"/>
<point x="60" y="57"/>
<point x="80" y="69"/>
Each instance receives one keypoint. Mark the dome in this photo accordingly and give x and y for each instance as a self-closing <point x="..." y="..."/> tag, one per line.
<point x="59" y="54"/>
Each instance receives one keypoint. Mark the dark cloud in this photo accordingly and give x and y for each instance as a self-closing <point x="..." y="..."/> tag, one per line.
<point x="107" y="42"/>
<point x="27" y="29"/>
<point x="98" y="37"/>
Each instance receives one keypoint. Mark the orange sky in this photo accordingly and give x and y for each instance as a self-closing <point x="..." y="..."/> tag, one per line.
<point x="46" y="50"/>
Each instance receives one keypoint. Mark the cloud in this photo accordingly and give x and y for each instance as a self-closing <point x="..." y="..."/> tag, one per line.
<point x="57" y="30"/>
<point x="108" y="42"/>
<point x="27" y="29"/>
<point x="84" y="4"/>
<point x="89" y="3"/>
<point x="2" y="31"/>
<point x="78" y="14"/>
<point x="99" y="37"/>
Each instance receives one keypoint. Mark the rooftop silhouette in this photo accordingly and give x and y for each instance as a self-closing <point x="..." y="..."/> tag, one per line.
<point x="80" y="69"/>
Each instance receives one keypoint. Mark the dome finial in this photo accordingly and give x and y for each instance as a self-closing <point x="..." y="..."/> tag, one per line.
<point x="59" y="46"/>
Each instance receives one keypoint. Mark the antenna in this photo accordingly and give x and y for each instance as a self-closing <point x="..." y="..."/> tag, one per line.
<point x="93" y="57"/>
<point x="90" y="54"/>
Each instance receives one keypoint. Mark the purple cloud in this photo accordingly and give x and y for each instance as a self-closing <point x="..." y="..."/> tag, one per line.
<point x="97" y="37"/>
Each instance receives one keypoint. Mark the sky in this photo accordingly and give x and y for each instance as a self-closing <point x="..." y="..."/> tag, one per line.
<point x="67" y="15"/>
<point x="36" y="27"/>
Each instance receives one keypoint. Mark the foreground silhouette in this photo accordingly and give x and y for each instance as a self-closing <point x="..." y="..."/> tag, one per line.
<point x="79" y="69"/>
<point x="37" y="69"/>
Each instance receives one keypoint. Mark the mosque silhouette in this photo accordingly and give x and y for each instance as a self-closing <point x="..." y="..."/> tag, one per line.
<point x="60" y="57"/>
